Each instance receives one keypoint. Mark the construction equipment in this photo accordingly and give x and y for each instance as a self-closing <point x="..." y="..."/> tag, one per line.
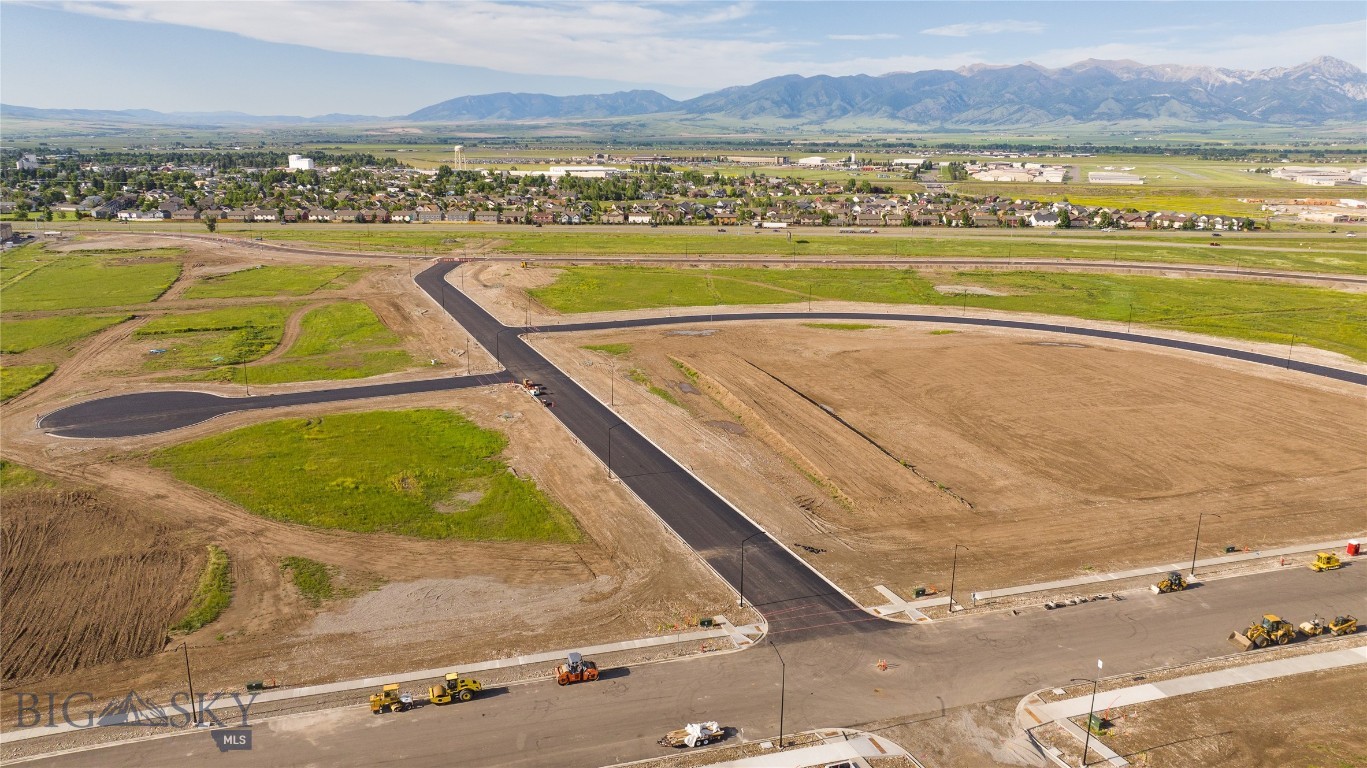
<point x="1325" y="561"/>
<point x="575" y="670"/>
<point x="694" y="735"/>
<point x="1260" y="634"/>
<point x="390" y="700"/>
<point x="1173" y="582"/>
<point x="454" y="688"/>
<point x="1314" y="627"/>
<point x="1340" y="625"/>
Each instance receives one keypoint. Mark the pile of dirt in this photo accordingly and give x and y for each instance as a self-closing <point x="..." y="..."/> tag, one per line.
<point x="85" y="582"/>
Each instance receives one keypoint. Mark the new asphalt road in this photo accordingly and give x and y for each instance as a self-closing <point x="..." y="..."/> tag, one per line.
<point x="814" y="681"/>
<point x="793" y="597"/>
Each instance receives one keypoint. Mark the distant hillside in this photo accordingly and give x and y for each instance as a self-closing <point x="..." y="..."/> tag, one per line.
<point x="150" y="117"/>
<point x="1022" y="96"/>
<point x="1030" y="95"/>
<point x="527" y="106"/>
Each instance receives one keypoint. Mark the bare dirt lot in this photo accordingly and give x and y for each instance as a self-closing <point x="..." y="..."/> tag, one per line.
<point x="872" y="452"/>
<point x="1262" y="724"/>
<point x="424" y="603"/>
<point x="86" y="582"/>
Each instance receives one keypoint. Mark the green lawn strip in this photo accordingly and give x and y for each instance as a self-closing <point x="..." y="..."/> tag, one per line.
<point x="312" y="578"/>
<point x="291" y="280"/>
<point x="426" y="473"/>
<point x="842" y="326"/>
<point x="385" y="239"/>
<point x="337" y="341"/>
<point x="15" y="476"/>
<point x="212" y="596"/>
<point x="90" y="279"/>
<point x="611" y="349"/>
<point x="592" y="289"/>
<point x="15" y="379"/>
<point x="989" y="242"/>
<point x="1270" y="312"/>
<point x="22" y="335"/>
<point x="214" y="339"/>
<point x="641" y="377"/>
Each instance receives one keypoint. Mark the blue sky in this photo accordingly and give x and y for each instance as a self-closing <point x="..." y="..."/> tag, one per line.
<point x="386" y="58"/>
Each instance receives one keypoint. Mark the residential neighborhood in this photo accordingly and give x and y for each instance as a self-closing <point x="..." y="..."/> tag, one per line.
<point x="352" y="189"/>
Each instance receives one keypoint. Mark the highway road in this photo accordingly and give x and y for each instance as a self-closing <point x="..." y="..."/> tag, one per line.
<point x="1025" y="262"/>
<point x="827" y="681"/>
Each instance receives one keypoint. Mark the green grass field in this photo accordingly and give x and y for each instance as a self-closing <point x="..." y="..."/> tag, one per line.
<point x="425" y="473"/>
<point x="991" y="243"/>
<point x="212" y="595"/>
<point x="22" y="335"/>
<point x="293" y="280"/>
<point x="611" y="349"/>
<point x="312" y="578"/>
<point x="33" y="279"/>
<point x="337" y="341"/>
<point x="213" y="339"/>
<point x="842" y="326"/>
<point x="1269" y="312"/>
<point x="16" y="379"/>
<point x="15" y="476"/>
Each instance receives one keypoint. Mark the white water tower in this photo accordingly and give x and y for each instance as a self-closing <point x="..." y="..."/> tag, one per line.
<point x="459" y="158"/>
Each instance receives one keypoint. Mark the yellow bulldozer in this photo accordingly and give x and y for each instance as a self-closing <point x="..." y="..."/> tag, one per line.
<point x="1325" y="561"/>
<point x="453" y="688"/>
<point x="1339" y="625"/>
<point x="1261" y="634"/>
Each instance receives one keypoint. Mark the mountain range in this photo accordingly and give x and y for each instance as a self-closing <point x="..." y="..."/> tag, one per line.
<point x="979" y="96"/>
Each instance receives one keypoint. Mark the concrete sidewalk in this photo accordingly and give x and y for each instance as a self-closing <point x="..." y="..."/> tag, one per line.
<point x="1060" y="712"/>
<point x="838" y="747"/>
<point x="1156" y="570"/>
<point x="726" y="630"/>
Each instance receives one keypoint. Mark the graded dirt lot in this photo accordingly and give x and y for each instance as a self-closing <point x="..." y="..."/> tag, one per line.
<point x="1252" y="726"/>
<point x="873" y="452"/>
<point x="420" y="604"/>
<point x="86" y="582"/>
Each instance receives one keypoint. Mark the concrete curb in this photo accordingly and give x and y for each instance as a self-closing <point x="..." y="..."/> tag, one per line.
<point x="411" y="677"/>
<point x="1158" y="570"/>
<point x="1060" y="712"/>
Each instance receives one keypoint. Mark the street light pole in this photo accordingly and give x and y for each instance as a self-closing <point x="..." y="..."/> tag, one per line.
<point x="782" y="690"/>
<point x="1196" y="545"/>
<point x="742" y="565"/>
<point x="954" y="572"/>
<point x="190" y="681"/>
<point x="1091" y="707"/>
<point x="612" y="385"/>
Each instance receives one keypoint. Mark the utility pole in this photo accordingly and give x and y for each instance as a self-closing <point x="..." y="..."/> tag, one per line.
<point x="953" y="573"/>
<point x="782" y="690"/>
<point x="1197" y="545"/>
<point x="194" y="710"/>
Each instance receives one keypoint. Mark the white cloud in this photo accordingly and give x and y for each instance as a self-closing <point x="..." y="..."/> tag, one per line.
<point x="969" y="29"/>
<point x="874" y="36"/>
<point x="1262" y="50"/>
<point x="636" y="42"/>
